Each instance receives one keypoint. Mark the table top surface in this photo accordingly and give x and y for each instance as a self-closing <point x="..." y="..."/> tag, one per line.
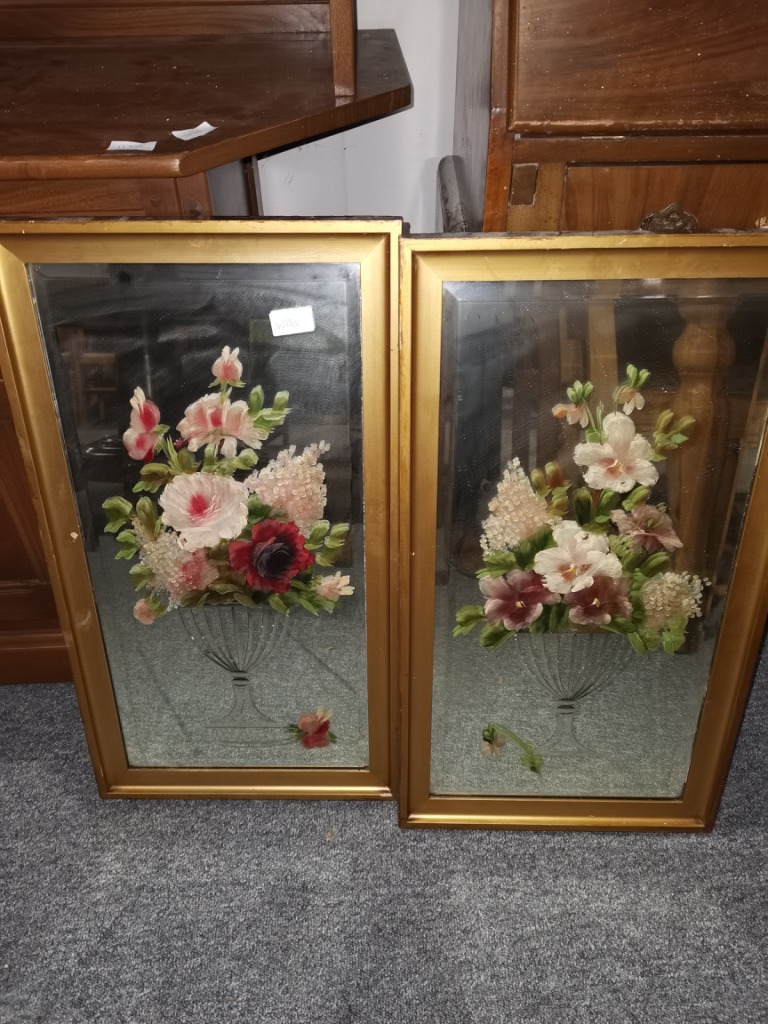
<point x="62" y="102"/>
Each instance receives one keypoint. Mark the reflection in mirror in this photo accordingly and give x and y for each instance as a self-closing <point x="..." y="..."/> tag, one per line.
<point x="207" y="669"/>
<point x="598" y="442"/>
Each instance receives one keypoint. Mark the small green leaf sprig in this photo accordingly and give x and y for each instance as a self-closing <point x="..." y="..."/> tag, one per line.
<point x="495" y="737"/>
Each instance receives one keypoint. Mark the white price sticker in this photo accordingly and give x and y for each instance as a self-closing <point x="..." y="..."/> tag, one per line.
<point x="124" y="145"/>
<point x="187" y="134"/>
<point x="297" y="320"/>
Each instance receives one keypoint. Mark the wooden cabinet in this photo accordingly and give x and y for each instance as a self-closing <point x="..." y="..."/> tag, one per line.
<point x="76" y="75"/>
<point x="31" y="644"/>
<point x="585" y="115"/>
<point x="606" y="115"/>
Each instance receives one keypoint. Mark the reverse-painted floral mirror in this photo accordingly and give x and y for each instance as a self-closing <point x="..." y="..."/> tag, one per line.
<point x="583" y="538"/>
<point x="207" y="412"/>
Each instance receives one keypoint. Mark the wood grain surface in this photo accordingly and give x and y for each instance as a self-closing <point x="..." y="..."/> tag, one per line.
<point x="65" y="101"/>
<point x="39" y="19"/>
<point x="616" y="65"/>
<point x="618" y="198"/>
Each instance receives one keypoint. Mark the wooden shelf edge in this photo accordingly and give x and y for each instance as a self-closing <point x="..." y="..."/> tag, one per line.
<point x="383" y="87"/>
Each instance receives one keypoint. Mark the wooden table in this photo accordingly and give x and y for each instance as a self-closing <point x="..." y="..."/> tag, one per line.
<point x="64" y="101"/>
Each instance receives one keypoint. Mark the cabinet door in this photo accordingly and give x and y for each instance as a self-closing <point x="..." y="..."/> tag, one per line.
<point x="619" y="198"/>
<point x="587" y="66"/>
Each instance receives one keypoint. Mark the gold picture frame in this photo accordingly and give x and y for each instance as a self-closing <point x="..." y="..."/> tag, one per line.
<point x="493" y="331"/>
<point x="74" y="299"/>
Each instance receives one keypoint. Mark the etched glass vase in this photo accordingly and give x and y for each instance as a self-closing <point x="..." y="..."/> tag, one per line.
<point x="572" y="666"/>
<point x="239" y="640"/>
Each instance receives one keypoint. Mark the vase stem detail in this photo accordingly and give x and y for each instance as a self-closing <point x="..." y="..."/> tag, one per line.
<point x="572" y="666"/>
<point x="238" y="639"/>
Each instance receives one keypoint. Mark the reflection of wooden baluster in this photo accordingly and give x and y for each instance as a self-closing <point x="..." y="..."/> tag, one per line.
<point x="603" y="360"/>
<point x="742" y="448"/>
<point x="72" y="345"/>
<point x="571" y="354"/>
<point x="702" y="356"/>
<point x="538" y="383"/>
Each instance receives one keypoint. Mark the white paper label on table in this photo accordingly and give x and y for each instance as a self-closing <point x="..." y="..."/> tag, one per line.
<point x="297" y="320"/>
<point x="194" y="133"/>
<point x="139" y="147"/>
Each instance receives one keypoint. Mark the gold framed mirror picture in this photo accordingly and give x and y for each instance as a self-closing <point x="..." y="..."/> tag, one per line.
<point x="205" y="413"/>
<point x="583" y="551"/>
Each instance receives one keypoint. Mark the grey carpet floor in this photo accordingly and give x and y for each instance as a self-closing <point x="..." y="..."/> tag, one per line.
<point x="132" y="912"/>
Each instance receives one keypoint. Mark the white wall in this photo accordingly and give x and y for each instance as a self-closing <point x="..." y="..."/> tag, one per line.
<point x="387" y="167"/>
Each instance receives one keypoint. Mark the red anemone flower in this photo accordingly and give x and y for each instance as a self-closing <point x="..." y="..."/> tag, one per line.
<point x="272" y="557"/>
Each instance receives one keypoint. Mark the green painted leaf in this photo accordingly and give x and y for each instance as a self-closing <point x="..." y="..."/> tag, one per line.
<point x="142" y="575"/>
<point x="634" y="560"/>
<point x="582" y="506"/>
<point x="497" y="563"/>
<point x="607" y="502"/>
<point x="146" y="512"/>
<point x="256" y="400"/>
<point x="654" y="564"/>
<point x="558" y="615"/>
<point x="276" y="601"/>
<point x="623" y="625"/>
<point x="117" y="506"/>
<point x="119" y="512"/>
<point x="317" y="533"/>
<point x="467" y="618"/>
<point x="153" y="476"/>
<point x="186" y="462"/>
<point x="494" y="635"/>
<point x="129" y="544"/>
<point x="638" y="646"/>
<point x="222" y="587"/>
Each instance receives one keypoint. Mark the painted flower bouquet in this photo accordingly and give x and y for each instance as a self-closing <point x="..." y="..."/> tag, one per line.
<point x="595" y="557"/>
<point x="221" y="531"/>
<point x="574" y="560"/>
